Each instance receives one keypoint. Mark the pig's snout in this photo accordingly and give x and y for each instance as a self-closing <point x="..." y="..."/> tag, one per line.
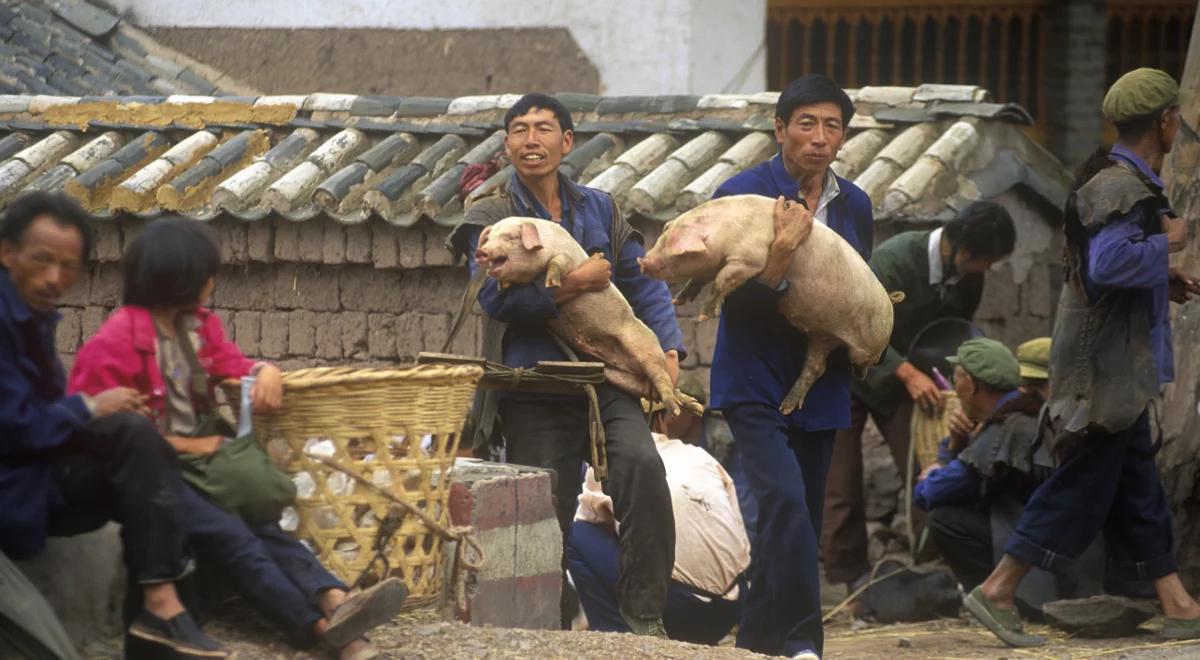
<point x="481" y="255"/>
<point x="651" y="266"/>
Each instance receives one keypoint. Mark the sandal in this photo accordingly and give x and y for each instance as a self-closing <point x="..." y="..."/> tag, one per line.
<point x="365" y="610"/>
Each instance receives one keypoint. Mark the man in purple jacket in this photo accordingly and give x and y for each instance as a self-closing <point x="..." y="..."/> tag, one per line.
<point x="1111" y="356"/>
<point x="781" y="460"/>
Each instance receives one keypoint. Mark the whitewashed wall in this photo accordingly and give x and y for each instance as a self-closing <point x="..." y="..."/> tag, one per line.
<point x="638" y="46"/>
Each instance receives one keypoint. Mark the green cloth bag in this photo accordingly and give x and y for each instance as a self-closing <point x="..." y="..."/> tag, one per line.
<point x="240" y="478"/>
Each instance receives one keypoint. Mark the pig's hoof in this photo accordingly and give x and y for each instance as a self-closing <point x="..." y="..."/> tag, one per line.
<point x="790" y="405"/>
<point x="690" y="404"/>
<point x="702" y="317"/>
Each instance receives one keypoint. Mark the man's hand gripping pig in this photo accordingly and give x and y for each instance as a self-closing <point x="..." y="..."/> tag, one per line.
<point x="593" y="316"/>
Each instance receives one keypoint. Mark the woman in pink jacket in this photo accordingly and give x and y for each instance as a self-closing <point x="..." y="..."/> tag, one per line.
<point x="168" y="280"/>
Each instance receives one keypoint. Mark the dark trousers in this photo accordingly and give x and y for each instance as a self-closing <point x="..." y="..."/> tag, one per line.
<point x="120" y="468"/>
<point x="268" y="568"/>
<point x="785" y="469"/>
<point x="963" y="536"/>
<point x="554" y="435"/>
<point x="1106" y="484"/>
<point x="593" y="557"/>
<point x="844" y="536"/>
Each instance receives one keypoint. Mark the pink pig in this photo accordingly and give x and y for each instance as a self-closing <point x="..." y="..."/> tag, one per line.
<point x="600" y="323"/>
<point x="832" y="295"/>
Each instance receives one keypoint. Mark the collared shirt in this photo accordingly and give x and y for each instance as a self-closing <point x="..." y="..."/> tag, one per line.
<point x="759" y="354"/>
<point x="1123" y="255"/>
<point x="587" y="215"/>
<point x="937" y="270"/>
<point x="829" y="191"/>
<point x="711" y="546"/>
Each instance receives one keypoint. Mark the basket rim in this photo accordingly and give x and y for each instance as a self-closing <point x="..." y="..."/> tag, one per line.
<point x="314" y="377"/>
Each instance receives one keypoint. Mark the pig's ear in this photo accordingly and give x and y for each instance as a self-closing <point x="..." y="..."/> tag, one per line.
<point x="529" y="237"/>
<point x="685" y="240"/>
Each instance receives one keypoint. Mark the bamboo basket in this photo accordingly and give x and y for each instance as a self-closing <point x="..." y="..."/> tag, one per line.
<point x="928" y="429"/>
<point x="399" y="428"/>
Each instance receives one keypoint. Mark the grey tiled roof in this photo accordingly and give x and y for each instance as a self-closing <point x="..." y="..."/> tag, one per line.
<point x="920" y="153"/>
<point x="79" y="48"/>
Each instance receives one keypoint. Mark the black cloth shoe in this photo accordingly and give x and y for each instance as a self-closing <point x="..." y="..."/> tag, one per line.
<point x="152" y="638"/>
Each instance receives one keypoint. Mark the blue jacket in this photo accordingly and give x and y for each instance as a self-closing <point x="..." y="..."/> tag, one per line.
<point x="35" y="417"/>
<point x="1122" y="256"/>
<point x="587" y="215"/>
<point x="759" y="355"/>
<point x="956" y="482"/>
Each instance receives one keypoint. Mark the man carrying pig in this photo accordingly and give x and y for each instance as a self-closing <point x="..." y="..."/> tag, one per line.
<point x="551" y="431"/>
<point x="783" y="459"/>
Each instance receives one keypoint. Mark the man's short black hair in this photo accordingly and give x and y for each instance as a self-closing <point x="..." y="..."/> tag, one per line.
<point x="536" y="101"/>
<point x="169" y="263"/>
<point x="812" y="89"/>
<point x="985" y="229"/>
<point x="1135" y="128"/>
<point x="65" y="210"/>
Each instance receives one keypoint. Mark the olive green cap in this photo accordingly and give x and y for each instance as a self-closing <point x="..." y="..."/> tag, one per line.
<point x="1034" y="358"/>
<point x="1139" y="93"/>
<point x="989" y="361"/>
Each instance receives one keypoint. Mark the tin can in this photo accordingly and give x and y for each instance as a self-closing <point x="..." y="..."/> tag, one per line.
<point x="245" y="411"/>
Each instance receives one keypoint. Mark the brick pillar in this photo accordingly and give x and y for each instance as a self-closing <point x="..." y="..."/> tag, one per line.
<point x="1075" y="78"/>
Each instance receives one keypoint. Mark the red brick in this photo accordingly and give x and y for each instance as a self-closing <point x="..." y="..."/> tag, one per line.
<point x="534" y="499"/>
<point x="306" y="287"/>
<point x="381" y="335"/>
<point x="302" y="333"/>
<point x="358" y="243"/>
<point x="260" y="240"/>
<point x="496" y="503"/>
<point x="287" y="239"/>
<point x="248" y="328"/>
<point x="311" y="240"/>
<point x="334" y="249"/>
<point x="274" y="338"/>
<point x="461" y="504"/>
<point x="384" y="248"/>
<point x="410" y="246"/>
<point x="353" y="329"/>
<point x="66" y="335"/>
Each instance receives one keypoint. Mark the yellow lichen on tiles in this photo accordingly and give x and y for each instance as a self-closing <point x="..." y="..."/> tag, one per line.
<point x="137" y="193"/>
<point x="199" y="195"/>
<point x="96" y="199"/>
<point x="157" y="115"/>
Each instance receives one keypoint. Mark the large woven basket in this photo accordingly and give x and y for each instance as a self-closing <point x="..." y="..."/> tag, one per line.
<point x="928" y="429"/>
<point x="397" y="427"/>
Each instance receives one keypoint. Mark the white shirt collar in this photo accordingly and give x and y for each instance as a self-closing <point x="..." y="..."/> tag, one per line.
<point x="829" y="190"/>
<point x="936" y="269"/>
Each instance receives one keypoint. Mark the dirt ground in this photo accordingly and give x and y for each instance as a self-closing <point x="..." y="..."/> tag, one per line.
<point x="421" y="635"/>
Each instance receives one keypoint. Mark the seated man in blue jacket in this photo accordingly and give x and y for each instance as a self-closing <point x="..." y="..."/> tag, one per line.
<point x="69" y="464"/>
<point x="780" y="462"/>
<point x="551" y="431"/>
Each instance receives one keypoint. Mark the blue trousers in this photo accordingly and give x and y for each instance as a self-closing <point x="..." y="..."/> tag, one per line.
<point x="593" y="558"/>
<point x="269" y="568"/>
<point x="1106" y="485"/>
<point x="785" y="471"/>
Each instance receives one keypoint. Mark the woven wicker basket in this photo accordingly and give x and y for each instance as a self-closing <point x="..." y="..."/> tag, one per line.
<point x="397" y="427"/>
<point x="928" y="429"/>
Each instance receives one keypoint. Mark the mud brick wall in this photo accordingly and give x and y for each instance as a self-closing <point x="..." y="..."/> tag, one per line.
<point x="322" y="293"/>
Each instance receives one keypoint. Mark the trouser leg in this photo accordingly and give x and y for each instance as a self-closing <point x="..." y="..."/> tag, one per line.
<point x="783" y="608"/>
<point x="844" y="534"/>
<point x="896" y="430"/>
<point x="594" y="559"/>
<point x="224" y="541"/>
<point x="552" y="436"/>
<point x="121" y="468"/>
<point x="297" y="562"/>
<point x="963" y="536"/>
<point x="1138" y="531"/>
<point x="637" y="484"/>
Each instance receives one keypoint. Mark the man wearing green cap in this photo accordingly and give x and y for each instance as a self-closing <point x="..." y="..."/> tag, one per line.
<point x="984" y="477"/>
<point x="1111" y="356"/>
